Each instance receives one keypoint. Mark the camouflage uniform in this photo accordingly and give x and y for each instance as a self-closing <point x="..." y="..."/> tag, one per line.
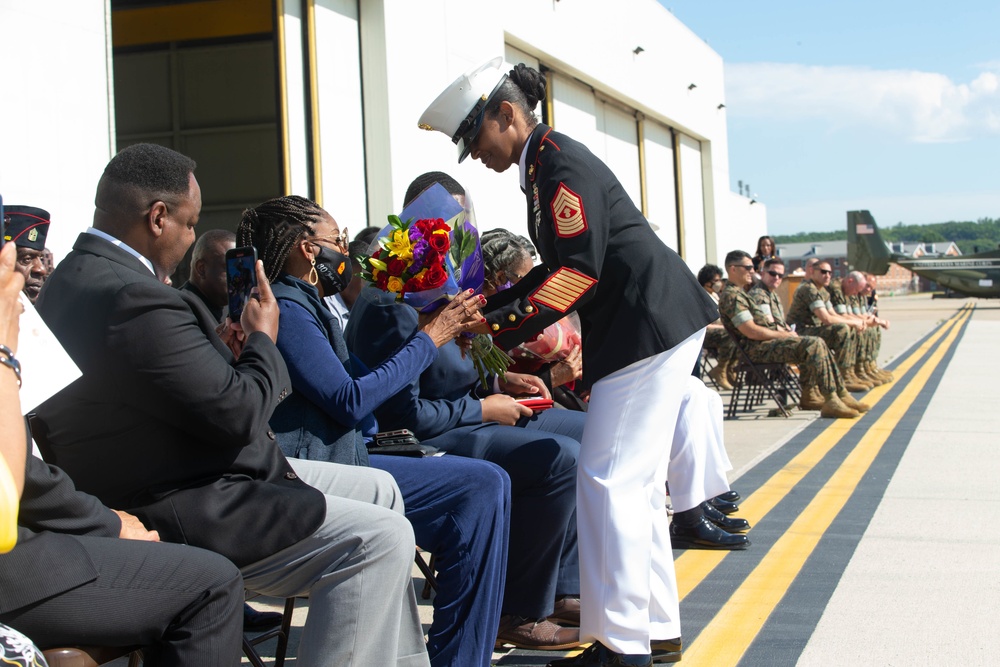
<point x="809" y="353"/>
<point x="842" y="339"/>
<point x="719" y="340"/>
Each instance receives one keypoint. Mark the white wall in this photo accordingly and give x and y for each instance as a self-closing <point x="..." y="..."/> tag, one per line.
<point x="56" y="132"/>
<point x="430" y="43"/>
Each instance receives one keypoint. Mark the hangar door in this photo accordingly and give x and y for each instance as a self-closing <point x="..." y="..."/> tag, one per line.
<point x="646" y="156"/>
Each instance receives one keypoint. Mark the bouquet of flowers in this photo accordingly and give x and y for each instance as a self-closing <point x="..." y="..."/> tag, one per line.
<point x="428" y="254"/>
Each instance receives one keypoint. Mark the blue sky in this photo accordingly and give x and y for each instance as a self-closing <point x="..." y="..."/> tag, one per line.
<point x="885" y="105"/>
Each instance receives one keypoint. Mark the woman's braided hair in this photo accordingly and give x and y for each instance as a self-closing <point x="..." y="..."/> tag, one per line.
<point x="275" y="227"/>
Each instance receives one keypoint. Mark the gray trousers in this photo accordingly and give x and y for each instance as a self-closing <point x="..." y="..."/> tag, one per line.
<point x="355" y="569"/>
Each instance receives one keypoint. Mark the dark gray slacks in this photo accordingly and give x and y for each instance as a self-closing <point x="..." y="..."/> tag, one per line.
<point x="182" y="604"/>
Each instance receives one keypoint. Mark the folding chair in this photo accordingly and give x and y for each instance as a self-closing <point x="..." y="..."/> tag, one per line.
<point x="754" y="380"/>
<point x="282" y="632"/>
<point x="427" y="569"/>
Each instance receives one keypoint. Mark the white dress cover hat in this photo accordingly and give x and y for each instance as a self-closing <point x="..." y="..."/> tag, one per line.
<point x="458" y="110"/>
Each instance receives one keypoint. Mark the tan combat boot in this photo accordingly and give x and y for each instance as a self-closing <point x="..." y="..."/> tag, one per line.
<point x="862" y="372"/>
<point x="853" y="403"/>
<point x="718" y="374"/>
<point x="812" y="399"/>
<point x="853" y="382"/>
<point x="882" y="374"/>
<point x="834" y="408"/>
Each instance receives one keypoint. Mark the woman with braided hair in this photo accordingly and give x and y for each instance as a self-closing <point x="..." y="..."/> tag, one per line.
<point x="459" y="507"/>
<point x="643" y="316"/>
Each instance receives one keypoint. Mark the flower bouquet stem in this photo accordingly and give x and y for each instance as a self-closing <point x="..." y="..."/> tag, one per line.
<point x="488" y="358"/>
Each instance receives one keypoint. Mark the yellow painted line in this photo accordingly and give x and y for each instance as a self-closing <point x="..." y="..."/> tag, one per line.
<point x="694" y="565"/>
<point x="727" y="637"/>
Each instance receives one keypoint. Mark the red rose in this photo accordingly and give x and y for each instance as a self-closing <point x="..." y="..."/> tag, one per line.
<point x="439" y="243"/>
<point x="377" y="254"/>
<point x="414" y="284"/>
<point x="432" y="258"/>
<point x="435" y="277"/>
<point x="383" y="280"/>
<point x="425" y="226"/>
<point x="440" y="224"/>
<point x="396" y="266"/>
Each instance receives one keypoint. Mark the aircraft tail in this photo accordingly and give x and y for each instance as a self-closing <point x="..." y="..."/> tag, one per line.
<point x="866" y="251"/>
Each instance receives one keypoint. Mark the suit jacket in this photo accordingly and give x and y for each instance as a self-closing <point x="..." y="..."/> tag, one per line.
<point x="164" y="422"/>
<point x="635" y="296"/>
<point x="47" y="560"/>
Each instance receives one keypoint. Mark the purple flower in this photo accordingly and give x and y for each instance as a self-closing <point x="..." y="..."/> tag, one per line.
<point x="420" y="248"/>
<point x="414" y="233"/>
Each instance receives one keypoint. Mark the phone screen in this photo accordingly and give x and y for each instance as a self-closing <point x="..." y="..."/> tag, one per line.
<point x="241" y="278"/>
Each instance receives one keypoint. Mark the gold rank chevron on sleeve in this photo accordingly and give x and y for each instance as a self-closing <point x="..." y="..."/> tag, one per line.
<point x="567" y="213"/>
<point x="562" y="289"/>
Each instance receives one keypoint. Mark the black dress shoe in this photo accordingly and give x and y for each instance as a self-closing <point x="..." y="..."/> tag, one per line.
<point x="599" y="655"/>
<point x="728" y="524"/>
<point x="729" y="496"/>
<point x="705" y="535"/>
<point x="258" y="621"/>
<point x="666" y="650"/>
<point x="725" y="506"/>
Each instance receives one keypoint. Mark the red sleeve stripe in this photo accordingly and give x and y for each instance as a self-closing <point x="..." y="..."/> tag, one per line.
<point x="562" y="289"/>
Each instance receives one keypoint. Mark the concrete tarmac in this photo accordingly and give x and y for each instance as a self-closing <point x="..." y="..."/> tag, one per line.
<point x="872" y="540"/>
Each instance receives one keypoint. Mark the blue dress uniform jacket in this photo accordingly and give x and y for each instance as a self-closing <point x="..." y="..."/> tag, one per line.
<point x="636" y="297"/>
<point x="164" y="423"/>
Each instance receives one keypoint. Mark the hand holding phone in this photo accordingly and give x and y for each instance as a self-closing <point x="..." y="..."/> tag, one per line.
<point x="241" y="278"/>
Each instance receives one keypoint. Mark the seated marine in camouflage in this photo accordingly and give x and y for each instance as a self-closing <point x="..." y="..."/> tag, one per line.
<point x="849" y="301"/>
<point x="812" y="314"/>
<point x="766" y="342"/>
<point x="716" y="336"/>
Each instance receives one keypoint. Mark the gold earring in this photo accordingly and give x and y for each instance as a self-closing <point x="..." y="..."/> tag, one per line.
<point x="313" y="276"/>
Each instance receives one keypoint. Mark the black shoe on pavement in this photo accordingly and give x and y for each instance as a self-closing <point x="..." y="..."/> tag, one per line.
<point x="599" y="655"/>
<point x="666" y="650"/>
<point x="730" y="496"/>
<point x="724" y="506"/>
<point x="705" y="535"/>
<point x="726" y="523"/>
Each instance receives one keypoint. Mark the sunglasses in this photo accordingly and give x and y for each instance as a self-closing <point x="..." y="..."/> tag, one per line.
<point x="775" y="274"/>
<point x="748" y="267"/>
<point x="825" y="272"/>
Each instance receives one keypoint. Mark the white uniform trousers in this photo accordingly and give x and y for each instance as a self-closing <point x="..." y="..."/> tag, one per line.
<point x="698" y="458"/>
<point x="628" y="588"/>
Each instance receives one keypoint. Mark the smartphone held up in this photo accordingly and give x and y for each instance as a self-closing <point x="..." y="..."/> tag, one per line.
<point x="241" y="278"/>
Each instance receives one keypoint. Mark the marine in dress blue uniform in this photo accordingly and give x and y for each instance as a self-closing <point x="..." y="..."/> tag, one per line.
<point x="643" y="316"/>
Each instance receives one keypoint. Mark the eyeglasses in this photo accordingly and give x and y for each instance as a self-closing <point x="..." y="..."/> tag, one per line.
<point x="775" y="274"/>
<point x="342" y="239"/>
<point x="748" y="267"/>
<point x="825" y="272"/>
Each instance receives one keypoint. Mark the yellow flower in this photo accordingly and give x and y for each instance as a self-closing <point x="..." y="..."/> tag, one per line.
<point x="377" y="265"/>
<point x="395" y="284"/>
<point x="400" y="245"/>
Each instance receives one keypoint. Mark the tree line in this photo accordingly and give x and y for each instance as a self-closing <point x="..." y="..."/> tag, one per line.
<point x="970" y="237"/>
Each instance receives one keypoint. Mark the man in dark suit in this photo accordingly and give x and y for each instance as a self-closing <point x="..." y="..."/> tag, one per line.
<point x="67" y="578"/>
<point x="71" y="580"/>
<point x="169" y="424"/>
